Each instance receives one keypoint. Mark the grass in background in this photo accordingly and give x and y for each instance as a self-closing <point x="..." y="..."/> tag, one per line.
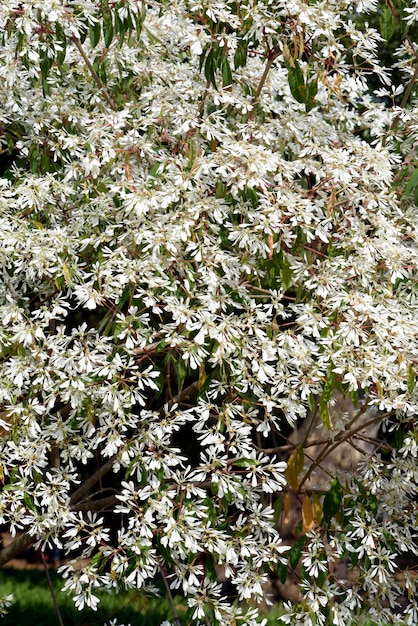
<point x="33" y="604"/>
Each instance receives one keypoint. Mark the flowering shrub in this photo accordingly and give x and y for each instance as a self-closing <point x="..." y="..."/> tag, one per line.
<point x="205" y="241"/>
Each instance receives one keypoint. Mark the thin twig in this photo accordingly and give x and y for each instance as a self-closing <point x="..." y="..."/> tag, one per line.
<point x="339" y="439"/>
<point x="170" y="597"/>
<point x="51" y="589"/>
<point x="90" y="482"/>
<point x="95" y="505"/>
<point x="263" y="79"/>
<point x="94" y="74"/>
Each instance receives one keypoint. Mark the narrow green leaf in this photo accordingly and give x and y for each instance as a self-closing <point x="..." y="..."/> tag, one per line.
<point x="328" y="387"/>
<point x="296" y="82"/>
<point x="412" y="182"/>
<point x="156" y="170"/>
<point x="295" y="552"/>
<point x="139" y="19"/>
<point x="324" y="414"/>
<point x="95" y="561"/>
<point x="245" y="463"/>
<point x="83" y="33"/>
<point x="411" y="379"/>
<point x="240" y="56"/>
<point x="62" y="40"/>
<point x="34" y="159"/>
<point x="285" y="274"/>
<point x="94" y="34"/>
<point x="107" y="29"/>
<point x="10" y="143"/>
<point x="386" y="23"/>
<point x="226" y="73"/>
<point x="210" y="68"/>
<point x="121" y="30"/>
<point x="354" y="397"/>
<point x="311" y="91"/>
<point x="332" y="500"/>
<point x="203" y="57"/>
<point x="132" y="466"/>
<point x="311" y="402"/>
<point x="21" y="40"/>
<point x="282" y="572"/>
<point x="45" y="162"/>
<point x="45" y="65"/>
<point x="29" y="502"/>
<point x="210" y="570"/>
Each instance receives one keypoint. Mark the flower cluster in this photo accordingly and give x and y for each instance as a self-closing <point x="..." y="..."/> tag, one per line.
<point x="201" y="247"/>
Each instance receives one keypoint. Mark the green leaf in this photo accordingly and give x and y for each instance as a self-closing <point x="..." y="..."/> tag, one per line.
<point x="94" y="34"/>
<point x="295" y="552"/>
<point x="332" y="501"/>
<point x="210" y="570"/>
<point x="139" y="20"/>
<point x="83" y="33"/>
<point x="286" y="277"/>
<point x="120" y="28"/>
<point x="226" y="73"/>
<point x="10" y="143"/>
<point x="311" y="91"/>
<point x="412" y="182"/>
<point x="278" y="508"/>
<point x="328" y="387"/>
<point x="34" y="159"/>
<point x="354" y="397"/>
<point x="386" y="23"/>
<point x="411" y="379"/>
<point x="180" y="368"/>
<point x="156" y="170"/>
<point x="324" y="414"/>
<point x="45" y="65"/>
<point x="311" y="402"/>
<point x="45" y="162"/>
<point x="372" y="504"/>
<point x="282" y="572"/>
<point x="240" y="56"/>
<point x="296" y="82"/>
<point x="245" y="463"/>
<point x="210" y="68"/>
<point x="107" y="29"/>
<point x="29" y="502"/>
<point x="95" y="561"/>
<point x="132" y="466"/>
<point x="203" y="57"/>
<point x="62" y="39"/>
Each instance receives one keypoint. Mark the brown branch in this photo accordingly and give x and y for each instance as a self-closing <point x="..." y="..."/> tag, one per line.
<point x="95" y="505"/>
<point x="185" y="394"/>
<point x="20" y="543"/>
<point x="339" y="439"/>
<point x="260" y="86"/>
<point x="90" y="482"/>
<point x="94" y="74"/>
